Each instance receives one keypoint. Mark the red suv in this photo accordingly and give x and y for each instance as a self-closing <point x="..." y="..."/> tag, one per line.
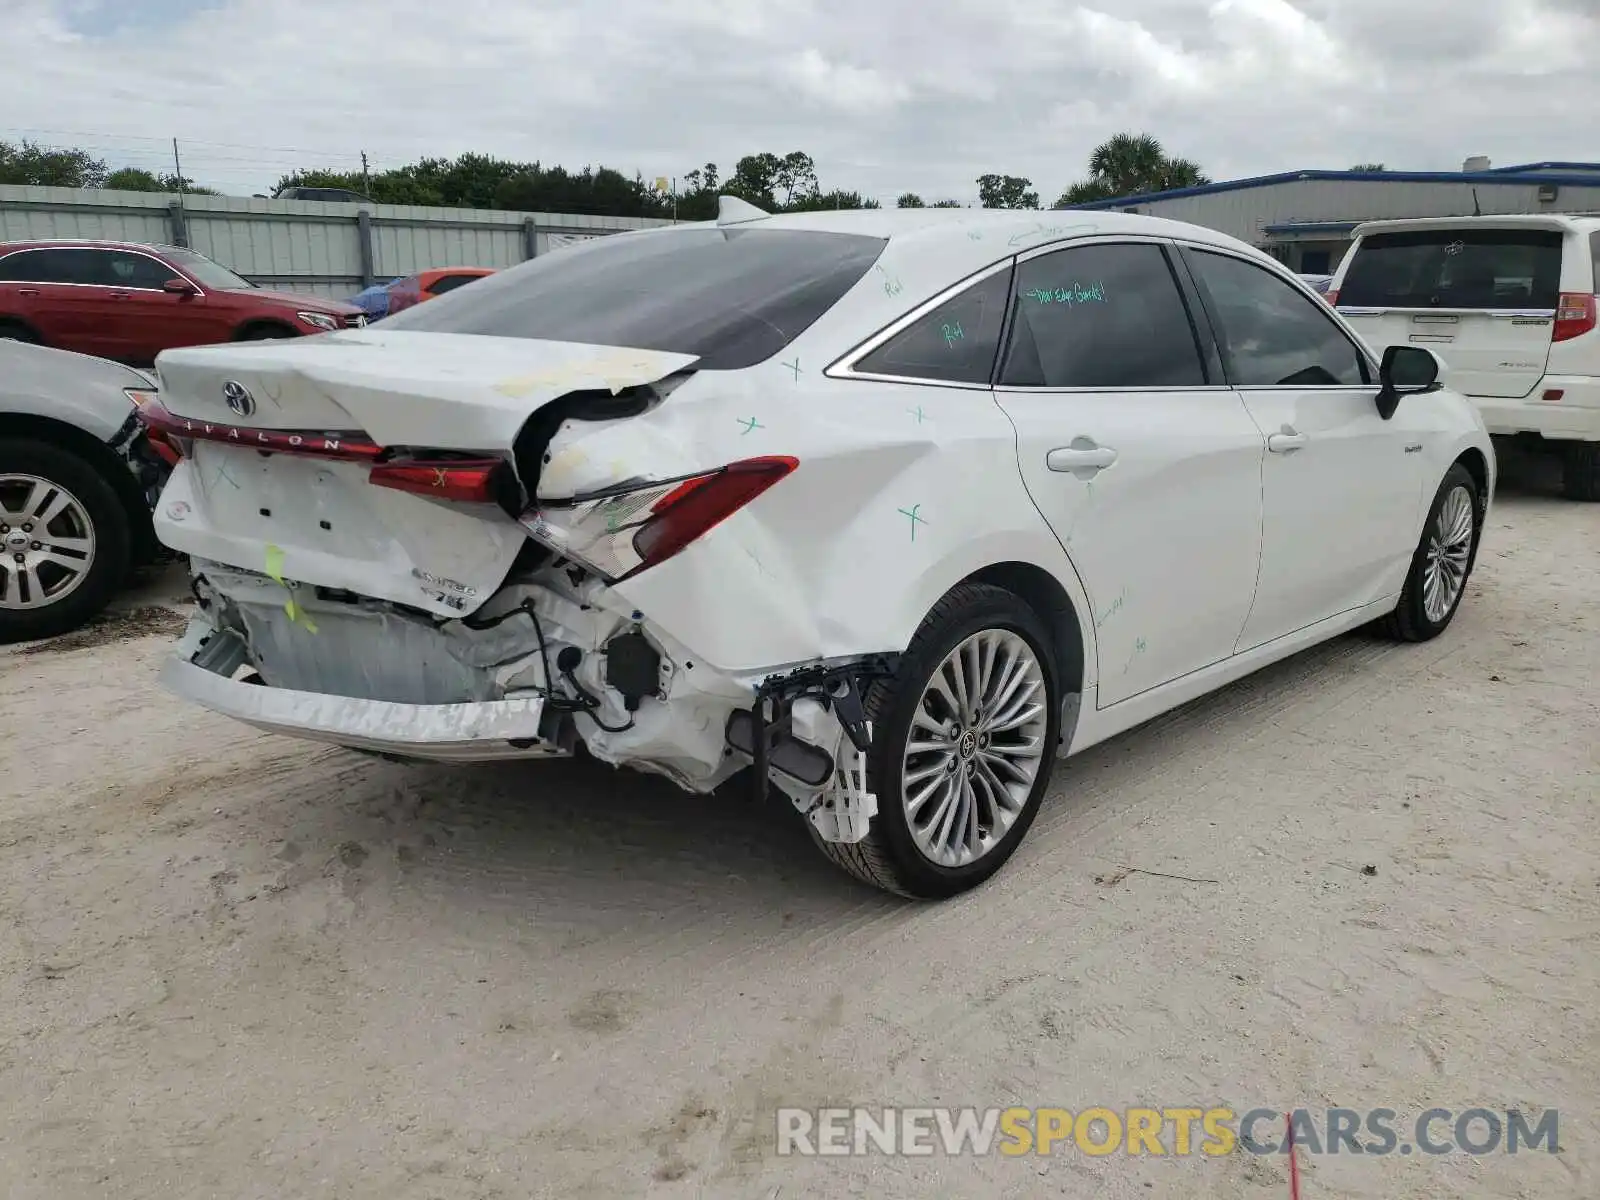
<point x="128" y="301"/>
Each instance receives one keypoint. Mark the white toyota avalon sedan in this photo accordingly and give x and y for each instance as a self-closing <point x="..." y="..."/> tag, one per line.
<point x="895" y="507"/>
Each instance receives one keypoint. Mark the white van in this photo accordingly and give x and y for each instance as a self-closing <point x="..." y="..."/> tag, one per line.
<point x="1508" y="303"/>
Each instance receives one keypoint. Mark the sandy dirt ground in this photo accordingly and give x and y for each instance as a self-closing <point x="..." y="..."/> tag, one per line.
<point x="233" y="965"/>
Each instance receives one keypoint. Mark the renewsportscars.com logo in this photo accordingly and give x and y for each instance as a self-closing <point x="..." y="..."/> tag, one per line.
<point x="1179" y="1132"/>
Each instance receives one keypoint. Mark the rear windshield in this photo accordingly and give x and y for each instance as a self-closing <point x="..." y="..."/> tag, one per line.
<point x="1455" y="268"/>
<point x="731" y="297"/>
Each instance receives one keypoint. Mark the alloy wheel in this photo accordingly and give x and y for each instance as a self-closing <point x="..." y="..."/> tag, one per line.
<point x="975" y="747"/>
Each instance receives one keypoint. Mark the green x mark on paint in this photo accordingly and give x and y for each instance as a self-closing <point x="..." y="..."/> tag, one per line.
<point x="750" y="424"/>
<point x="915" y="518"/>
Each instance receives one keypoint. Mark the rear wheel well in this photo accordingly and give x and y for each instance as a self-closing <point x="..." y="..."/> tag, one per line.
<point x="266" y="325"/>
<point x="103" y="459"/>
<point x="1477" y="466"/>
<point x="1043" y="593"/>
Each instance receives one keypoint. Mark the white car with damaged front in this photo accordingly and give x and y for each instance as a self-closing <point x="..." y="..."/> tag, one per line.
<point x="895" y="507"/>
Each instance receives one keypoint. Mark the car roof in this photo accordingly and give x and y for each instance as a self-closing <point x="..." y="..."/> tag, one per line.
<point x="1023" y="225"/>
<point x="1575" y="222"/>
<point x="83" y="244"/>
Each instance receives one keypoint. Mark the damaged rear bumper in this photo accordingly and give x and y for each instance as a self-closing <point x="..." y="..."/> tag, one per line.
<point x="474" y="731"/>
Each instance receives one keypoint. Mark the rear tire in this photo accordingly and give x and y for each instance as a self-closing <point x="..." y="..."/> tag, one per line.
<point x="1007" y="661"/>
<point x="1580" y="471"/>
<point x="1442" y="563"/>
<point x="91" y="513"/>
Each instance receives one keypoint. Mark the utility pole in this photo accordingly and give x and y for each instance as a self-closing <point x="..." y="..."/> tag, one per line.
<point x="181" y="223"/>
<point x="366" y="179"/>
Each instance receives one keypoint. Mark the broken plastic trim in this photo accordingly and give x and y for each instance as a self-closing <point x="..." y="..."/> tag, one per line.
<point x="838" y="687"/>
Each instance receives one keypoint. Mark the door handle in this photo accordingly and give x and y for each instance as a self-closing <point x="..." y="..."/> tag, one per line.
<point x="119" y="294"/>
<point x="1286" y="442"/>
<point x="1082" y="456"/>
<point x="27" y="291"/>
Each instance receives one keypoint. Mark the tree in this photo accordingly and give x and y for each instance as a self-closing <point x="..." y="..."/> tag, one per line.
<point x="1131" y="164"/>
<point x="910" y="200"/>
<point x="837" y="199"/>
<point x="1368" y="168"/>
<point x="1006" y="191"/>
<point x="40" y="166"/>
<point x="945" y="204"/>
<point x="137" y="179"/>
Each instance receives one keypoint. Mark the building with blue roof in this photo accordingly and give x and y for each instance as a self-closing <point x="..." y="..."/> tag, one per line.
<point x="1304" y="218"/>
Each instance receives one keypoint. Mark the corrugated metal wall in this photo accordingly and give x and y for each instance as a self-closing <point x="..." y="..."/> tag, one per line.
<point x="302" y="245"/>
<point x="1245" y="212"/>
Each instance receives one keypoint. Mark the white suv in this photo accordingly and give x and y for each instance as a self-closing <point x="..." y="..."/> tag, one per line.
<point x="1509" y="304"/>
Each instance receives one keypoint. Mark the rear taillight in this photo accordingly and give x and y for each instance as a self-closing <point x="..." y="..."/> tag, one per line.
<point x="625" y="531"/>
<point x="472" y="481"/>
<point x="1575" y="316"/>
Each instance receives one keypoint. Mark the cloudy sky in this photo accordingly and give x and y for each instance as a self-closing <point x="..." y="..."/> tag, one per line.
<point x="886" y="95"/>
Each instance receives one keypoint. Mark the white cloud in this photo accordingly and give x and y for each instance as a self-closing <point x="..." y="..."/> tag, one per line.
<point x="887" y="95"/>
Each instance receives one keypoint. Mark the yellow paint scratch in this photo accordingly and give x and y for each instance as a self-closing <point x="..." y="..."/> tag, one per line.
<point x="616" y="371"/>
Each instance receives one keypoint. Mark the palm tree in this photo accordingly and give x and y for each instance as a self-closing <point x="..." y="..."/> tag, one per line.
<point x="1131" y="164"/>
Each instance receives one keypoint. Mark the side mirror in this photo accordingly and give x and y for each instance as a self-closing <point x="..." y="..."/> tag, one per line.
<point x="178" y="287"/>
<point x="1405" y="371"/>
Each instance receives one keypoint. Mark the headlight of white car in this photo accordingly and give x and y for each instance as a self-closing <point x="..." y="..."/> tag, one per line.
<point x="319" y="320"/>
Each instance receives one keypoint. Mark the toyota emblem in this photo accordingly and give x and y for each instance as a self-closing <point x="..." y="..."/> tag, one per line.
<point x="238" y="397"/>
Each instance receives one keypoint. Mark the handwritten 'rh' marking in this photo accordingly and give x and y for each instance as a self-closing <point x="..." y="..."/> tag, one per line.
<point x="952" y="333"/>
<point x="891" y="287"/>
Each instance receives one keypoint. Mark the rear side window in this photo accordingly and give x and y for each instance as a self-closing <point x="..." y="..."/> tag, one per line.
<point x="1455" y="268"/>
<point x="1594" y="255"/>
<point x="956" y="342"/>
<point x="731" y="297"/>
<point x="1101" y="317"/>
<point x="48" y="266"/>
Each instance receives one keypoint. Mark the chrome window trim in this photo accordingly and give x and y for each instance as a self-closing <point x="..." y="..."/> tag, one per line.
<point x="115" y="287"/>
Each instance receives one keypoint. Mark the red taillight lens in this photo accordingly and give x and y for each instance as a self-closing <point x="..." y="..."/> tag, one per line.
<point x="620" y="533"/>
<point x="1575" y="316"/>
<point x="474" y="481"/>
<point x="697" y="505"/>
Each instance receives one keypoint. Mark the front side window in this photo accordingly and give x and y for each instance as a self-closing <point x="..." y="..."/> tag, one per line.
<point x="1455" y="268"/>
<point x="119" y="268"/>
<point x="1272" y="334"/>
<point x="1105" y="316"/>
<point x="731" y="297"/>
<point x="956" y="342"/>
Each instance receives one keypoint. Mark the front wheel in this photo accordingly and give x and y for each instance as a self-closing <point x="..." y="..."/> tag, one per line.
<point x="1443" y="561"/>
<point x="964" y="738"/>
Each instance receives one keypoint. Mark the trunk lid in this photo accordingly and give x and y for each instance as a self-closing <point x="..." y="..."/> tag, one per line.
<point x="250" y="496"/>
<point x="1483" y="297"/>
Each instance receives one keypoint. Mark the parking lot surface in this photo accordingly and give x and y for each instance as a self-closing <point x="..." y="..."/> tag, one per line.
<point x="235" y="965"/>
